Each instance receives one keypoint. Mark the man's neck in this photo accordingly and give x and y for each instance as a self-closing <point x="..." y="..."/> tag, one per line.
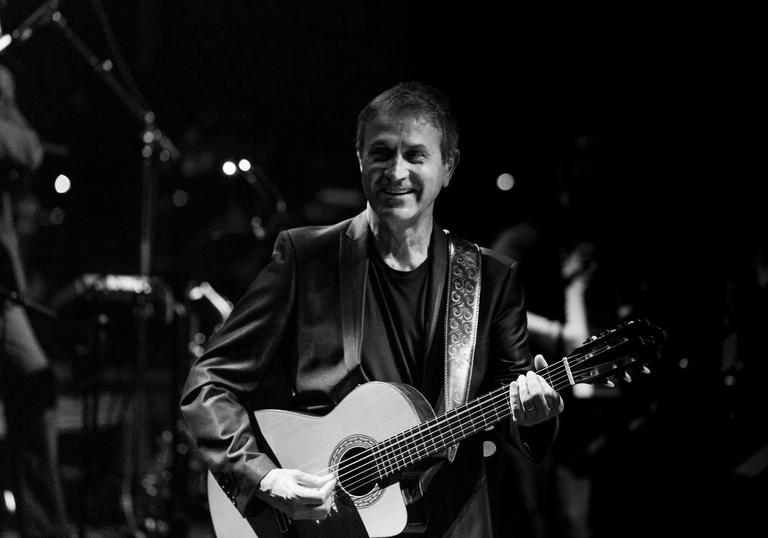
<point x="403" y="248"/>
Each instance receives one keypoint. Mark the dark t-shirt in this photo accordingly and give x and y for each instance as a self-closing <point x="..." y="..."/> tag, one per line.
<point x="394" y="341"/>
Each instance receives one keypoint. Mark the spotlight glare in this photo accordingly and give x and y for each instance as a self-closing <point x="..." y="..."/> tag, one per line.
<point x="10" y="501"/>
<point x="62" y="184"/>
<point x="229" y="168"/>
<point x="505" y="182"/>
<point x="244" y="165"/>
<point x="5" y="41"/>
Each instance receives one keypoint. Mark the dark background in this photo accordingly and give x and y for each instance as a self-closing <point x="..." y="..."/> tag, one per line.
<point x="665" y="102"/>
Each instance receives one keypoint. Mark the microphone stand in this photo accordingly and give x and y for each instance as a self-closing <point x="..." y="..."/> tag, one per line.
<point x="155" y="144"/>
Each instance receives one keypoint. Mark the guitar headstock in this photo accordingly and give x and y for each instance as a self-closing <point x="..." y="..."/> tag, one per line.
<point x="630" y="345"/>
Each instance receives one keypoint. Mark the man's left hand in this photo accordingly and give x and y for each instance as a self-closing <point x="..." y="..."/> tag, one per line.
<point x="532" y="399"/>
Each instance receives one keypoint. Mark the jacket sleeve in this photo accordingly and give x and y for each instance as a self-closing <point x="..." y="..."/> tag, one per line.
<point x="512" y="357"/>
<point x="233" y="368"/>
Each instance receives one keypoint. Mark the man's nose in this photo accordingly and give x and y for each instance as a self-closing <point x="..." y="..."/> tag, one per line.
<point x="398" y="168"/>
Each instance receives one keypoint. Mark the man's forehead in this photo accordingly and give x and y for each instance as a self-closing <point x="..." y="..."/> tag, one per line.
<point x="416" y="126"/>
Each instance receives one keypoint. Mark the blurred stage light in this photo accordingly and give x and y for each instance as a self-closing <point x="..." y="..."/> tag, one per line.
<point x="244" y="165"/>
<point x="229" y="168"/>
<point x="56" y="216"/>
<point x="10" y="501"/>
<point x="505" y="182"/>
<point x="180" y="198"/>
<point x="62" y="184"/>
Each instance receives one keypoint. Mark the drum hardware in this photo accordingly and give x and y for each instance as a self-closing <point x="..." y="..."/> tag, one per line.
<point x="102" y="316"/>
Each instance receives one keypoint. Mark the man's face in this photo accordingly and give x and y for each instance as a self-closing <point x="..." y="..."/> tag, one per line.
<point x="402" y="168"/>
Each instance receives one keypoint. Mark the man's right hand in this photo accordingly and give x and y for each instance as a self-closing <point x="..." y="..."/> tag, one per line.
<point x="298" y="494"/>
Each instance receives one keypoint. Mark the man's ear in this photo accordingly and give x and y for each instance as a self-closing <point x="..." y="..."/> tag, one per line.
<point x="451" y="165"/>
<point x="359" y="160"/>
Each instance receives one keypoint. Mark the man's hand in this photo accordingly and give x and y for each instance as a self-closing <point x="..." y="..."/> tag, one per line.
<point x="298" y="494"/>
<point x="532" y="399"/>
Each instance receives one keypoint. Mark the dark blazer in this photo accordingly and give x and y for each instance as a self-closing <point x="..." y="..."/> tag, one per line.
<point x="294" y="341"/>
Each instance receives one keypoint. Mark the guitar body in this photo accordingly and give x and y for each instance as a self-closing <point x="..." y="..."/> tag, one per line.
<point x="372" y="412"/>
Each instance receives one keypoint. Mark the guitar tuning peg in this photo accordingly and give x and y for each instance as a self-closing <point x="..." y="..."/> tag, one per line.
<point x="608" y="383"/>
<point x="646" y="370"/>
<point x="627" y="377"/>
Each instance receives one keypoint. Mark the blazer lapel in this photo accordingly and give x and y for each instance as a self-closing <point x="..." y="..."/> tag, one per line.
<point x="353" y="277"/>
<point x="439" y="268"/>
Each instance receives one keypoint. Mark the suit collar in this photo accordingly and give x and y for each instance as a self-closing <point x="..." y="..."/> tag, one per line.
<point x="353" y="280"/>
<point x="439" y="268"/>
<point x="358" y="228"/>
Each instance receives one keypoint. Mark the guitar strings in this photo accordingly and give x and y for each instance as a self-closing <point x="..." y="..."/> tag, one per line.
<point x="402" y="441"/>
<point x="409" y="437"/>
<point x="436" y="421"/>
<point x="439" y="426"/>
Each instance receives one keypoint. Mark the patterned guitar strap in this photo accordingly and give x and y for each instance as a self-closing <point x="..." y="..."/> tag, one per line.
<point x="462" y="303"/>
<point x="462" y="306"/>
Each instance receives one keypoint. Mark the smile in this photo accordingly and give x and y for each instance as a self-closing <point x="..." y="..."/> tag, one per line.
<point x="398" y="192"/>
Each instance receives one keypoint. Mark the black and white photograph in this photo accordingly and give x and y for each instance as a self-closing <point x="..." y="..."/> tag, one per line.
<point x="284" y="268"/>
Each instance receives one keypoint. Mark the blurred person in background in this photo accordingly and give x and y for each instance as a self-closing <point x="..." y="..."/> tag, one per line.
<point x="26" y="376"/>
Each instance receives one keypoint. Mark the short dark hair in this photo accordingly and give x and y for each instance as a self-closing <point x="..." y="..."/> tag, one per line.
<point x="420" y="100"/>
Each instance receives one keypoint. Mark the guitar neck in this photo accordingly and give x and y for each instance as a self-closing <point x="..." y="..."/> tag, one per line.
<point x="433" y="436"/>
<point x="598" y="358"/>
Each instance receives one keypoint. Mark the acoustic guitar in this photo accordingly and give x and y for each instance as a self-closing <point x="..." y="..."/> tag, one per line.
<point x="381" y="429"/>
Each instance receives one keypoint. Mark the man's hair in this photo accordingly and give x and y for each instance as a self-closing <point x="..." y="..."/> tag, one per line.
<point x="415" y="99"/>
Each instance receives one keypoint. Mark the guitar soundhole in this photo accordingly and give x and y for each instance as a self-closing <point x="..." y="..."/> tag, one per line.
<point x="356" y="470"/>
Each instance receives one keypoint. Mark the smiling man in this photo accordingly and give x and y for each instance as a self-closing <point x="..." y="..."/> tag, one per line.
<point x="386" y="296"/>
<point x="403" y="171"/>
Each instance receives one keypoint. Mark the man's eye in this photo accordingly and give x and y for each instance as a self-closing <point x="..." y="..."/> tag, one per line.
<point x="380" y="155"/>
<point x="416" y="156"/>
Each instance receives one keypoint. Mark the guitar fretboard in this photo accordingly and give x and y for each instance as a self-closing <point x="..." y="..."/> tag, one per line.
<point x="435" y="435"/>
<point x="591" y="362"/>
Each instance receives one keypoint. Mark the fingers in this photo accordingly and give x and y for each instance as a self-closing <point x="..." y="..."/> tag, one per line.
<point x="525" y="392"/>
<point x="317" y="502"/>
<point x="312" y="480"/>
<point x="325" y="492"/>
<point x="314" y="490"/>
<point x="532" y="399"/>
<point x="537" y="402"/>
<point x="300" y="495"/>
<point x="514" y="401"/>
<point x="550" y="395"/>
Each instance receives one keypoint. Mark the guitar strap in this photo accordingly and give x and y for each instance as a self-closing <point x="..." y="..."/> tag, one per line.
<point x="462" y="306"/>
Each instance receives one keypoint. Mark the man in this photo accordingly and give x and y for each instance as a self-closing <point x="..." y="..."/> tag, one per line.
<point x="366" y="300"/>
<point x="26" y="377"/>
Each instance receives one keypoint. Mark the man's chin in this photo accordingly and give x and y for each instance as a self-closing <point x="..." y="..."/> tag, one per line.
<point x="398" y="216"/>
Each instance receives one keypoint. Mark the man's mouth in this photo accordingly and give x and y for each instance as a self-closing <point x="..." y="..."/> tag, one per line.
<point x="397" y="192"/>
